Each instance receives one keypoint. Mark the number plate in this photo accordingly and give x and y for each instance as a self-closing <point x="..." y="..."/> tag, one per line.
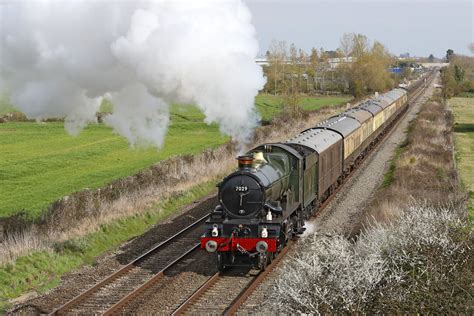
<point x="241" y="188"/>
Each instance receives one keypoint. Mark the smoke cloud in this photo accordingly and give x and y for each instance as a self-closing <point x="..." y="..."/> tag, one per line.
<point x="60" y="58"/>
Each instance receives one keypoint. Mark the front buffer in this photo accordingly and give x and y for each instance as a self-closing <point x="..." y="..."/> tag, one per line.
<point x="241" y="251"/>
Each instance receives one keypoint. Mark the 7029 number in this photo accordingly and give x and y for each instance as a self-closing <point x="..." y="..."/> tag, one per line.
<point x="241" y="188"/>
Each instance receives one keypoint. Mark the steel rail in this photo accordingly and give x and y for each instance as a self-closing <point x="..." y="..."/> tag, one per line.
<point x="123" y="271"/>
<point x="197" y="294"/>
<point x="253" y="284"/>
<point x="243" y="296"/>
<point x="135" y="293"/>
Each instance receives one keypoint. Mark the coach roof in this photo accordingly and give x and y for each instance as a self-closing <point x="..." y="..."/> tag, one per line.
<point x="360" y="115"/>
<point x="370" y="107"/>
<point x="316" y="139"/>
<point x="344" y="125"/>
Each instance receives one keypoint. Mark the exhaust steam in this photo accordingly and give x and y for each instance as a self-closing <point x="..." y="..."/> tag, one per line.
<point x="61" y="58"/>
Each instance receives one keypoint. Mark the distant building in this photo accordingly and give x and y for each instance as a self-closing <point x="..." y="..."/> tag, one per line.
<point x="262" y="61"/>
<point x="332" y="53"/>
<point x="396" y="70"/>
<point x="334" y="62"/>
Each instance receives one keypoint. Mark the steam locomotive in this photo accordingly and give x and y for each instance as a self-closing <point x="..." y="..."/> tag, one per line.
<point x="277" y="186"/>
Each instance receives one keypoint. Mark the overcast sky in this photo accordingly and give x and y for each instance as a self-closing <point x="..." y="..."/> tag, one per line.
<point x="420" y="27"/>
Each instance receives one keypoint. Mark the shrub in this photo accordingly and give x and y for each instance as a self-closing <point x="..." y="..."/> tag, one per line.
<point x="386" y="265"/>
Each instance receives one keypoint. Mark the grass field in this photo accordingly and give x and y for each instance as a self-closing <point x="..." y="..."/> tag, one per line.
<point x="41" y="162"/>
<point x="463" y="109"/>
<point x="269" y="105"/>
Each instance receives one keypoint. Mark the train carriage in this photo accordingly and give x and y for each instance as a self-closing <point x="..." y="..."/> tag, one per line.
<point x="279" y="185"/>
<point x="351" y="132"/>
<point x="366" y="120"/>
<point x="323" y="163"/>
<point x="377" y="113"/>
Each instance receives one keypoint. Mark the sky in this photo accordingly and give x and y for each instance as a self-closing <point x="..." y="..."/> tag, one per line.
<point x="420" y="27"/>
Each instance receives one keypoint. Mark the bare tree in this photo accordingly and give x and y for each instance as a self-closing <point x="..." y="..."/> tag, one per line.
<point x="277" y="56"/>
<point x="360" y="45"/>
<point x="311" y="70"/>
<point x="291" y="91"/>
<point x="346" y="44"/>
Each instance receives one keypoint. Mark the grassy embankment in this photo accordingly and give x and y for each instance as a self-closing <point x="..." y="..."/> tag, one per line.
<point x="41" y="162"/>
<point x="44" y="163"/>
<point x="42" y="270"/>
<point x="463" y="109"/>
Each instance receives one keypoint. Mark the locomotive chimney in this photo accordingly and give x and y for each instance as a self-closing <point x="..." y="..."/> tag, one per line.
<point x="245" y="161"/>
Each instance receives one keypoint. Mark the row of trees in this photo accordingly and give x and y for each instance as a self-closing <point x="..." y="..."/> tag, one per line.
<point x="360" y="68"/>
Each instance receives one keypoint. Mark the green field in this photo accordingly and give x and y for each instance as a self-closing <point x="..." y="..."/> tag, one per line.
<point x="40" y="163"/>
<point x="270" y="105"/>
<point x="463" y="109"/>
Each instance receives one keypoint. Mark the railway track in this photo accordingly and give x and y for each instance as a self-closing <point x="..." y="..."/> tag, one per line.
<point x="223" y="293"/>
<point x="226" y="291"/>
<point x="113" y="292"/>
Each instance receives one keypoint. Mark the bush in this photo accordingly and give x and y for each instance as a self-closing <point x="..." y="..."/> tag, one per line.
<point x="388" y="265"/>
<point x="72" y="245"/>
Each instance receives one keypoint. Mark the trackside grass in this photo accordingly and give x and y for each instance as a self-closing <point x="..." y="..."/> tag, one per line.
<point x="463" y="109"/>
<point x="41" y="163"/>
<point x="42" y="270"/>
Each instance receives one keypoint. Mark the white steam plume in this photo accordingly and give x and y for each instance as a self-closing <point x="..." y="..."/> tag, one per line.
<point x="59" y="58"/>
